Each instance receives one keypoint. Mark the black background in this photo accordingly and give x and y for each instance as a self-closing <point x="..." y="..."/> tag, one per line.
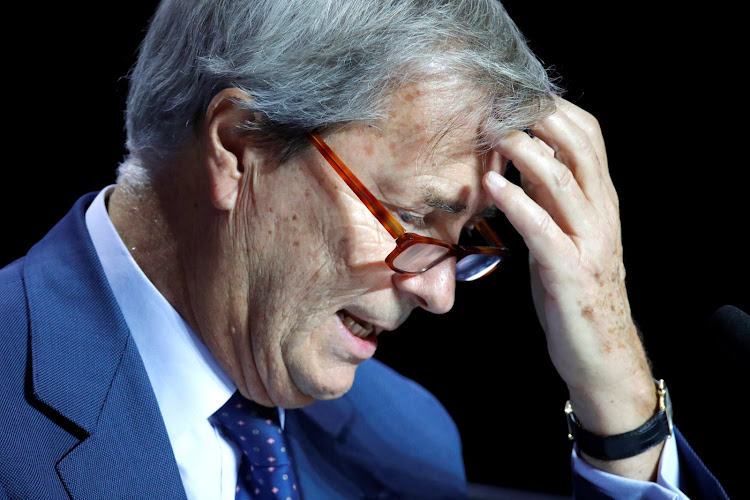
<point x="669" y="91"/>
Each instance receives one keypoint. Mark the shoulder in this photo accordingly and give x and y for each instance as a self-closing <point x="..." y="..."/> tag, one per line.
<point x="36" y="274"/>
<point x="387" y="435"/>
<point x="401" y="405"/>
<point x="14" y="322"/>
<point x="11" y="290"/>
<point x="390" y="408"/>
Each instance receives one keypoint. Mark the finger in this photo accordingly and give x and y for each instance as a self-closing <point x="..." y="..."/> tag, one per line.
<point x="547" y="181"/>
<point x="573" y="147"/>
<point x="543" y="237"/>
<point x="587" y="122"/>
<point x="591" y="127"/>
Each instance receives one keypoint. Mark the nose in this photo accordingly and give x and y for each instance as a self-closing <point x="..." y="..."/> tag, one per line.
<point x="433" y="290"/>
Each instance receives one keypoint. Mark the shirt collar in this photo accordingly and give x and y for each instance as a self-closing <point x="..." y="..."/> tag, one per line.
<point x="189" y="384"/>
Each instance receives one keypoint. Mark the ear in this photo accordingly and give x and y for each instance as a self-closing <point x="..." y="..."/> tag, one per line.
<point x="224" y="146"/>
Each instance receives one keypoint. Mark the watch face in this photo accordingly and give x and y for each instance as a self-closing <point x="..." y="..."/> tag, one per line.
<point x="665" y="402"/>
<point x="570" y="419"/>
<point x="668" y="411"/>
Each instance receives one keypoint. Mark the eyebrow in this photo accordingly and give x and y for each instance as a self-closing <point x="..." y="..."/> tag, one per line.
<point x="433" y="199"/>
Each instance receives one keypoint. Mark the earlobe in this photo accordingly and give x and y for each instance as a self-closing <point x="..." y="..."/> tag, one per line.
<point x="224" y="146"/>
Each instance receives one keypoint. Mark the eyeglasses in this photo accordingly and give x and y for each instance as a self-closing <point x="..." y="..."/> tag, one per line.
<point x="414" y="253"/>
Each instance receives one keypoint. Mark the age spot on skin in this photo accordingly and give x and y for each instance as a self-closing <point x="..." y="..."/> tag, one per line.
<point x="588" y="313"/>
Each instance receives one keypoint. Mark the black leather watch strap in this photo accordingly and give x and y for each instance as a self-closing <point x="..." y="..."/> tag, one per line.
<point x="628" y="444"/>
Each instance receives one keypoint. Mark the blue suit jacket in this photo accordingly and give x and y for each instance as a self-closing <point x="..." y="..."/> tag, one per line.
<point x="78" y="417"/>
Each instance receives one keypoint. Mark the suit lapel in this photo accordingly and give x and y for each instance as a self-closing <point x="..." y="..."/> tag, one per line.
<point x="129" y="450"/>
<point x="86" y="367"/>
<point x="78" y="334"/>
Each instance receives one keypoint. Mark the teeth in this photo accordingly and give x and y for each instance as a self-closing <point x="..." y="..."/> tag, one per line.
<point x="361" y="330"/>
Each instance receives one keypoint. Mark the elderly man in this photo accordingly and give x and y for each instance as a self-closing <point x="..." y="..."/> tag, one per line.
<point x="301" y="177"/>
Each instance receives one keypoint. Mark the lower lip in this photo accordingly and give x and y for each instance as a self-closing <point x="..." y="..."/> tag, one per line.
<point x="360" y="348"/>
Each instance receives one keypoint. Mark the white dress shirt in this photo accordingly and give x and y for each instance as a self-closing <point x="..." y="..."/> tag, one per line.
<point x="667" y="485"/>
<point x="190" y="386"/>
<point x="188" y="383"/>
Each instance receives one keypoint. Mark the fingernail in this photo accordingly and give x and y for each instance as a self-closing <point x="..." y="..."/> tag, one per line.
<point x="496" y="181"/>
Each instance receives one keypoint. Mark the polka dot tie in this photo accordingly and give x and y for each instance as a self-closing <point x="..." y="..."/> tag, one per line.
<point x="265" y="471"/>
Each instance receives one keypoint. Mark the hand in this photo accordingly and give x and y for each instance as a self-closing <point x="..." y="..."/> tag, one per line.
<point x="567" y="211"/>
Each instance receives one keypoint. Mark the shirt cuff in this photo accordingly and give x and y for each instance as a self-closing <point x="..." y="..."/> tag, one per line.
<point x="665" y="487"/>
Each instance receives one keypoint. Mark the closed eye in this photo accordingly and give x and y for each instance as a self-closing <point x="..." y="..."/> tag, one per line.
<point x="414" y="220"/>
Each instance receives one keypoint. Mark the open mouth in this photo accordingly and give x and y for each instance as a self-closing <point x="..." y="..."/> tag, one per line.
<point x="359" y="328"/>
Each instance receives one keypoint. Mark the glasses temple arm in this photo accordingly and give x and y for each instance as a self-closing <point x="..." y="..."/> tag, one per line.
<point x="488" y="234"/>
<point x="378" y="210"/>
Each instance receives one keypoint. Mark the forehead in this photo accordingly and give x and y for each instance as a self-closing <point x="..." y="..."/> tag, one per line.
<point x="427" y="146"/>
<point x="429" y="126"/>
<point x="431" y="119"/>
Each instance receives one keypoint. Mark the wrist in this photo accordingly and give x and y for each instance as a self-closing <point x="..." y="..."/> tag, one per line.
<point x="609" y="408"/>
<point x="633" y="441"/>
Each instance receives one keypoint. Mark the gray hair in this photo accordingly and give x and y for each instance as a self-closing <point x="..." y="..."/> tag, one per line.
<point x="314" y="64"/>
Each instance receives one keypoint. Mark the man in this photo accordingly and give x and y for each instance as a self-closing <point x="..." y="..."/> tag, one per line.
<point x="244" y="248"/>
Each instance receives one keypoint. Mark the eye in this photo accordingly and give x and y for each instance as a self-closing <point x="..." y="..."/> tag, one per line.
<point x="414" y="220"/>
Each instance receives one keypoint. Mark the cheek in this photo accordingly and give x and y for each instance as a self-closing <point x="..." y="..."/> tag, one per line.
<point x="316" y="235"/>
<point x="359" y="244"/>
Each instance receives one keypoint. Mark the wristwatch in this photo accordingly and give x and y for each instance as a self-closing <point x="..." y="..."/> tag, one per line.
<point x="627" y="444"/>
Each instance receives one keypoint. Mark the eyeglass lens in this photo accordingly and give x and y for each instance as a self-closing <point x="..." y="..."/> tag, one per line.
<point x="419" y="257"/>
<point x="475" y="266"/>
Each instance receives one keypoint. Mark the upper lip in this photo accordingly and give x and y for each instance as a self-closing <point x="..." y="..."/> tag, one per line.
<point x="378" y="326"/>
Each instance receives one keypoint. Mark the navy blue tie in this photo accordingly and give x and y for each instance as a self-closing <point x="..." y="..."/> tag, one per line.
<point x="265" y="471"/>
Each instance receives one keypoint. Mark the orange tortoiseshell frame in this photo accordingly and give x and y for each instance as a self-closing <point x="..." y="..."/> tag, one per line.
<point x="403" y="239"/>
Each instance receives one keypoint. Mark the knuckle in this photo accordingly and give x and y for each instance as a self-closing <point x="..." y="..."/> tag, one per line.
<point x="590" y="125"/>
<point x="513" y="140"/>
<point x="564" y="178"/>
<point x="584" y="146"/>
<point x="544" y="224"/>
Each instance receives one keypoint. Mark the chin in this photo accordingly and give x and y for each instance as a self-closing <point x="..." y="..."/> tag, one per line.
<point x="329" y="385"/>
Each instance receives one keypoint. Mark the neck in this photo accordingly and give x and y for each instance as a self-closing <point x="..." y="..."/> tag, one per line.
<point x="195" y="254"/>
<point x="156" y="228"/>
